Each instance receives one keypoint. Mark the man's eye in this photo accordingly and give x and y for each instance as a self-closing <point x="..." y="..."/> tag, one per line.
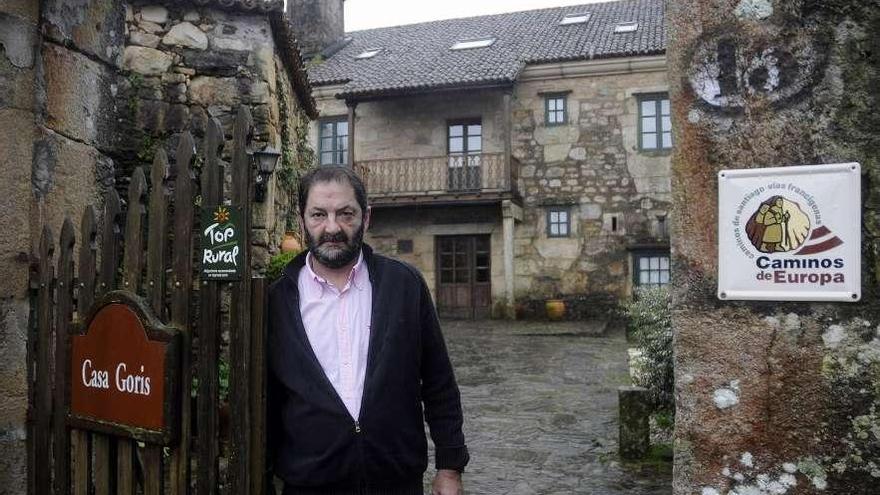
<point x="346" y="214"/>
<point x="317" y="215"/>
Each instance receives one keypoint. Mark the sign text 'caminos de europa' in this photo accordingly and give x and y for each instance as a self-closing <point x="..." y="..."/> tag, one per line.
<point x="221" y="243"/>
<point x="790" y="233"/>
<point x="124" y="371"/>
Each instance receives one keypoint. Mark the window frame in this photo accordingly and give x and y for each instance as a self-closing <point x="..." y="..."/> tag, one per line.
<point x="321" y="151"/>
<point x="554" y="96"/>
<point x="550" y="223"/>
<point x="650" y="253"/>
<point x="465" y="123"/>
<point x="657" y="99"/>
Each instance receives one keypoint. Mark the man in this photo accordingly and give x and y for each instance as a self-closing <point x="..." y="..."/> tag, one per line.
<point x="355" y="350"/>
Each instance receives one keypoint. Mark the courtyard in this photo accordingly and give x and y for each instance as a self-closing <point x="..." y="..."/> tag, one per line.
<point x="540" y="408"/>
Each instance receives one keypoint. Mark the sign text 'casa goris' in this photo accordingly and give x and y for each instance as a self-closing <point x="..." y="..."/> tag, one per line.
<point x="790" y="234"/>
<point x="124" y="372"/>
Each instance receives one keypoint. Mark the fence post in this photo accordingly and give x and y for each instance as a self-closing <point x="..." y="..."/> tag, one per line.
<point x="635" y="409"/>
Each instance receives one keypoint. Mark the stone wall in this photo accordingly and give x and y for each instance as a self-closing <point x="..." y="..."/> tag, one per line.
<point x="186" y="64"/>
<point x="423" y="225"/>
<point x="773" y="397"/>
<point x="615" y="194"/>
<point x="18" y="87"/>
<point x="318" y="23"/>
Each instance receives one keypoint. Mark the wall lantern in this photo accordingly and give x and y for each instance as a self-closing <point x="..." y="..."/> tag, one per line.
<point x="265" y="161"/>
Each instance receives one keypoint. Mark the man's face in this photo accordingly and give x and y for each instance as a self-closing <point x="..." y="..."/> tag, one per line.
<point x="334" y="223"/>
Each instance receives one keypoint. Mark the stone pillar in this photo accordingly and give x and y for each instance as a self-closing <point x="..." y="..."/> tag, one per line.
<point x="352" y="105"/>
<point x="18" y="72"/>
<point x="510" y="213"/>
<point x="635" y="433"/>
<point x="772" y="396"/>
<point x="506" y="134"/>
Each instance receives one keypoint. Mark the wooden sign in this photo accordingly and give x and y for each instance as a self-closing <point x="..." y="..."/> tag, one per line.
<point x="221" y="253"/>
<point x="124" y="371"/>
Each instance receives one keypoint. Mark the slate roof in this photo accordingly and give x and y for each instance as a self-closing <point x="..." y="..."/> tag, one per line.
<point x="416" y="57"/>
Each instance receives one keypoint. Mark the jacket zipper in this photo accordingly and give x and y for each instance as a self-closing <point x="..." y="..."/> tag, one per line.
<point x="357" y="427"/>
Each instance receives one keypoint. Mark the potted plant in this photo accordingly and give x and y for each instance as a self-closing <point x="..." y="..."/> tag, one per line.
<point x="555" y="308"/>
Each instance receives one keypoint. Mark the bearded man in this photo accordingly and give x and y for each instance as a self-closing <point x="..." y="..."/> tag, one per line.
<point x="355" y="354"/>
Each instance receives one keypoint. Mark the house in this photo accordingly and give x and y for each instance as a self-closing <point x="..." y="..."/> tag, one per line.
<point x="512" y="158"/>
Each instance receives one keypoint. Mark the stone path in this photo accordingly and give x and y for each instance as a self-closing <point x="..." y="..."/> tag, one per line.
<point x="540" y="405"/>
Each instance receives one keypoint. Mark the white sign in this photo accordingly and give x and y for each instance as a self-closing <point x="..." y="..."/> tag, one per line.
<point x="790" y="233"/>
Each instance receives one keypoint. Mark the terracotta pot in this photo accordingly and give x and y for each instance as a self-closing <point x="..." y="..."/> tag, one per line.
<point x="555" y="309"/>
<point x="290" y="243"/>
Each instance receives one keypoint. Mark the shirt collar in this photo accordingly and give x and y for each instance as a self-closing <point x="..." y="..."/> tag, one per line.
<point x="358" y="277"/>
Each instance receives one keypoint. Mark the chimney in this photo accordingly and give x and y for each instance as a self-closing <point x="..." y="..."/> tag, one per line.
<point x="319" y="25"/>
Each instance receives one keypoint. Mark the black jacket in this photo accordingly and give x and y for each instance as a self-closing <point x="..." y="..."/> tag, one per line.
<point x="313" y="440"/>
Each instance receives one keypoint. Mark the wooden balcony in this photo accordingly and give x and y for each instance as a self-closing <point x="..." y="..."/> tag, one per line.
<point x="474" y="178"/>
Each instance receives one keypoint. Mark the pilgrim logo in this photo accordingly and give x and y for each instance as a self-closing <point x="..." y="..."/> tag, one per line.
<point x="780" y="225"/>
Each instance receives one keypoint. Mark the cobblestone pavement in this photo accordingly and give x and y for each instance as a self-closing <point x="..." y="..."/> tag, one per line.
<point x="540" y="403"/>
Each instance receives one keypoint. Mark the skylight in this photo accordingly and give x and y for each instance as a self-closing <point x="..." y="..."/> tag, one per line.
<point x="368" y="53"/>
<point x="626" y="27"/>
<point x="575" y="19"/>
<point x="478" y="43"/>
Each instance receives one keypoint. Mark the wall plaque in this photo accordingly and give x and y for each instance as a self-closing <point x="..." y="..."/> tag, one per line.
<point x="790" y="233"/>
<point x="124" y="371"/>
<point x="221" y="243"/>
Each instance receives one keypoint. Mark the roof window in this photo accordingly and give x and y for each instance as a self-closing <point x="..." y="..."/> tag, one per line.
<point x="475" y="43"/>
<point x="575" y="19"/>
<point x="626" y="27"/>
<point x="368" y="53"/>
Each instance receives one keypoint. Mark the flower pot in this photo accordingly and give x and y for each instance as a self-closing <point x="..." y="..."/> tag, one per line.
<point x="290" y="243"/>
<point x="555" y="309"/>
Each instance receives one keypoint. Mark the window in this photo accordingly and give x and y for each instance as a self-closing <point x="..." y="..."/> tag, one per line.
<point x="334" y="141"/>
<point x="626" y="27"/>
<point x="465" y="143"/>
<point x="555" y="111"/>
<point x="557" y="222"/>
<point x="575" y="19"/>
<point x="476" y="43"/>
<point x="368" y="54"/>
<point x="651" y="268"/>
<point x="655" y="125"/>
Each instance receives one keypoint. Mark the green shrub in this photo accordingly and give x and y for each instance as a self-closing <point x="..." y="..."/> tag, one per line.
<point x="650" y="323"/>
<point x="277" y="264"/>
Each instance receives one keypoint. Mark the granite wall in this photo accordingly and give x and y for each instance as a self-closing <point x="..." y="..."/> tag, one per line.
<point x="773" y="397"/>
<point x="88" y="91"/>
<point x="617" y="196"/>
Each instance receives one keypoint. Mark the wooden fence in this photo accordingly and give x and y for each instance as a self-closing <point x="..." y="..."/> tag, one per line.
<point x="63" y="459"/>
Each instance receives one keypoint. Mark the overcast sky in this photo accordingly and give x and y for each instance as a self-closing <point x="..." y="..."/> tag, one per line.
<point x="366" y="14"/>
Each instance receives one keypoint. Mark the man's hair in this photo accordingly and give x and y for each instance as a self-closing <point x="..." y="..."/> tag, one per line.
<point x="332" y="173"/>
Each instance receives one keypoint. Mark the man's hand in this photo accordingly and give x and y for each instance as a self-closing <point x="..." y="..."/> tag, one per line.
<point x="447" y="482"/>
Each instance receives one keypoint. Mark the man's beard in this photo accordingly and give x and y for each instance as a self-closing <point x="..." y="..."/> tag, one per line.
<point x="336" y="257"/>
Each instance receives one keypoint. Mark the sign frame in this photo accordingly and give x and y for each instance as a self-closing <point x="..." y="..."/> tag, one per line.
<point x="155" y="331"/>
<point x="727" y="224"/>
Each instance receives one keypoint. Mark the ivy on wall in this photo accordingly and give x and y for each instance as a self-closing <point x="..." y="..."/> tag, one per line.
<point x="297" y="154"/>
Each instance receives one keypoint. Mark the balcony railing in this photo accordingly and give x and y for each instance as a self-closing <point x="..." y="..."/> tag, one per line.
<point x="437" y="175"/>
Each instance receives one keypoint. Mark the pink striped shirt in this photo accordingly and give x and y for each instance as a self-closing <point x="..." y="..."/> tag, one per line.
<point x="337" y="323"/>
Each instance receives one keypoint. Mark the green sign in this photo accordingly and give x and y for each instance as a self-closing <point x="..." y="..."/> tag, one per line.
<point x="221" y="243"/>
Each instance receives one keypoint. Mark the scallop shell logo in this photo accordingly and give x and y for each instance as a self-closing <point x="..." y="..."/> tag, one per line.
<point x="779" y="225"/>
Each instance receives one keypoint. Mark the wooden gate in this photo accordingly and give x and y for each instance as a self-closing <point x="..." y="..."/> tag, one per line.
<point x="160" y="274"/>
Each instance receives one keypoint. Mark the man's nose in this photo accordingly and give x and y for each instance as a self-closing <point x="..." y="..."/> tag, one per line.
<point x="331" y="225"/>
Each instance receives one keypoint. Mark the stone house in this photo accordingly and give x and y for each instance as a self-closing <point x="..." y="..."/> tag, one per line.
<point x="512" y="158"/>
<point x="91" y="89"/>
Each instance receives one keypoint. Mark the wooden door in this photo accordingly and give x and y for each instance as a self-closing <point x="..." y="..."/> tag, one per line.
<point x="463" y="276"/>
